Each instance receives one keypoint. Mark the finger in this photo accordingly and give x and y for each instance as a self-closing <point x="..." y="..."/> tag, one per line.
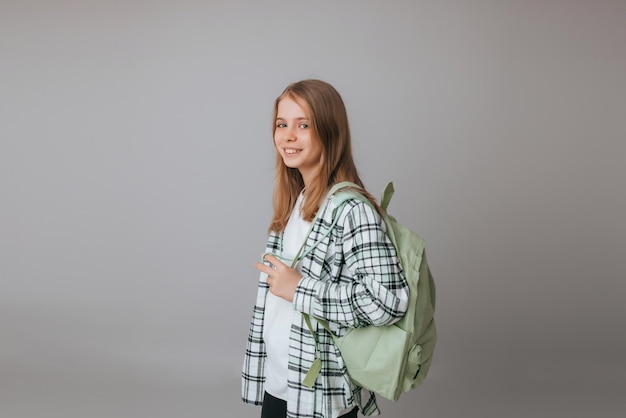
<point x="263" y="268"/>
<point x="273" y="259"/>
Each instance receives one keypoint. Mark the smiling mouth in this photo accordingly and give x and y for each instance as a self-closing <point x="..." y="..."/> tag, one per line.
<point x="291" y="151"/>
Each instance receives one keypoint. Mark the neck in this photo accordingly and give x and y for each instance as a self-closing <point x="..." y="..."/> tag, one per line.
<point x="309" y="176"/>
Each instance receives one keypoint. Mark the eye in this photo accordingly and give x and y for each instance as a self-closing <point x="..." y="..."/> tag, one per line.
<point x="281" y="125"/>
<point x="303" y="125"/>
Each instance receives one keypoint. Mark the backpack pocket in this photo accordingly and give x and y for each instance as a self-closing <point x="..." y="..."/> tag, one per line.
<point x="368" y="355"/>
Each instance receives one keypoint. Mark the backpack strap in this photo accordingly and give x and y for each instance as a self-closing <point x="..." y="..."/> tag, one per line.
<point x="338" y="199"/>
<point x="387" y="194"/>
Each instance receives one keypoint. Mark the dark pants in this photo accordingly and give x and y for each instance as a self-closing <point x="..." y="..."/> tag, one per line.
<point x="277" y="408"/>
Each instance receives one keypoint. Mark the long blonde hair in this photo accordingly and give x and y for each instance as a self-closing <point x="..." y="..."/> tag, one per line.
<point x="329" y="124"/>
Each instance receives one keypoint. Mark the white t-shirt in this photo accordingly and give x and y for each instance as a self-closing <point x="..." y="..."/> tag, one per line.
<point x="279" y="313"/>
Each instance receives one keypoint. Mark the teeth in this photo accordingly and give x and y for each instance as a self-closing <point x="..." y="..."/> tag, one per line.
<point x="291" y="151"/>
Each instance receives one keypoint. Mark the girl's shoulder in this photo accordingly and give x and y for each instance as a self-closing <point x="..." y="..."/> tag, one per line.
<point x="350" y="208"/>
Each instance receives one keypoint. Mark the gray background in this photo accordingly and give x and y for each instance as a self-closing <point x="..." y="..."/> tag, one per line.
<point x="136" y="170"/>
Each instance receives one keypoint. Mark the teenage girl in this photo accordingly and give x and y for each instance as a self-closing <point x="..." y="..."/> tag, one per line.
<point x="352" y="279"/>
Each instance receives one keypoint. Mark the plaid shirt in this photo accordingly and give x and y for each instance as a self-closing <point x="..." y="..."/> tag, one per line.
<point x="351" y="279"/>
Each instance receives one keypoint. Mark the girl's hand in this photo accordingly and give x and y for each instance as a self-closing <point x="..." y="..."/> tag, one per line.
<point x="282" y="279"/>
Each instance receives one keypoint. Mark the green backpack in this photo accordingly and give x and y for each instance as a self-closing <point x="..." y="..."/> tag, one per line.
<point x="393" y="359"/>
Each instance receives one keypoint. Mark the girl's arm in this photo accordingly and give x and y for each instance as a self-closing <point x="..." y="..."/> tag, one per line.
<point x="377" y="293"/>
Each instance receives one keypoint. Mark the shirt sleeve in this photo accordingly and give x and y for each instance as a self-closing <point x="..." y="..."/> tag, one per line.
<point x="378" y="292"/>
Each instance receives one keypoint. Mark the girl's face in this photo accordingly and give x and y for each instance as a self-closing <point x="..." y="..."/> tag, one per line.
<point x="294" y="139"/>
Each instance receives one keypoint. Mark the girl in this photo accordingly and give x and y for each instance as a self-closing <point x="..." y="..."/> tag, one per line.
<point x="352" y="279"/>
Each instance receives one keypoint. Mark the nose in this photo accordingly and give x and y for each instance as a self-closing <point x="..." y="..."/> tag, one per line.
<point x="289" y="134"/>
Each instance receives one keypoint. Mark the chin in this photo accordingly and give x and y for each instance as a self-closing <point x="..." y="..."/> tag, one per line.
<point x="291" y="164"/>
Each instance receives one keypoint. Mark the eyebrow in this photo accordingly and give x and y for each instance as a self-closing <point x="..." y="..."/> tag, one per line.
<point x="281" y="118"/>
